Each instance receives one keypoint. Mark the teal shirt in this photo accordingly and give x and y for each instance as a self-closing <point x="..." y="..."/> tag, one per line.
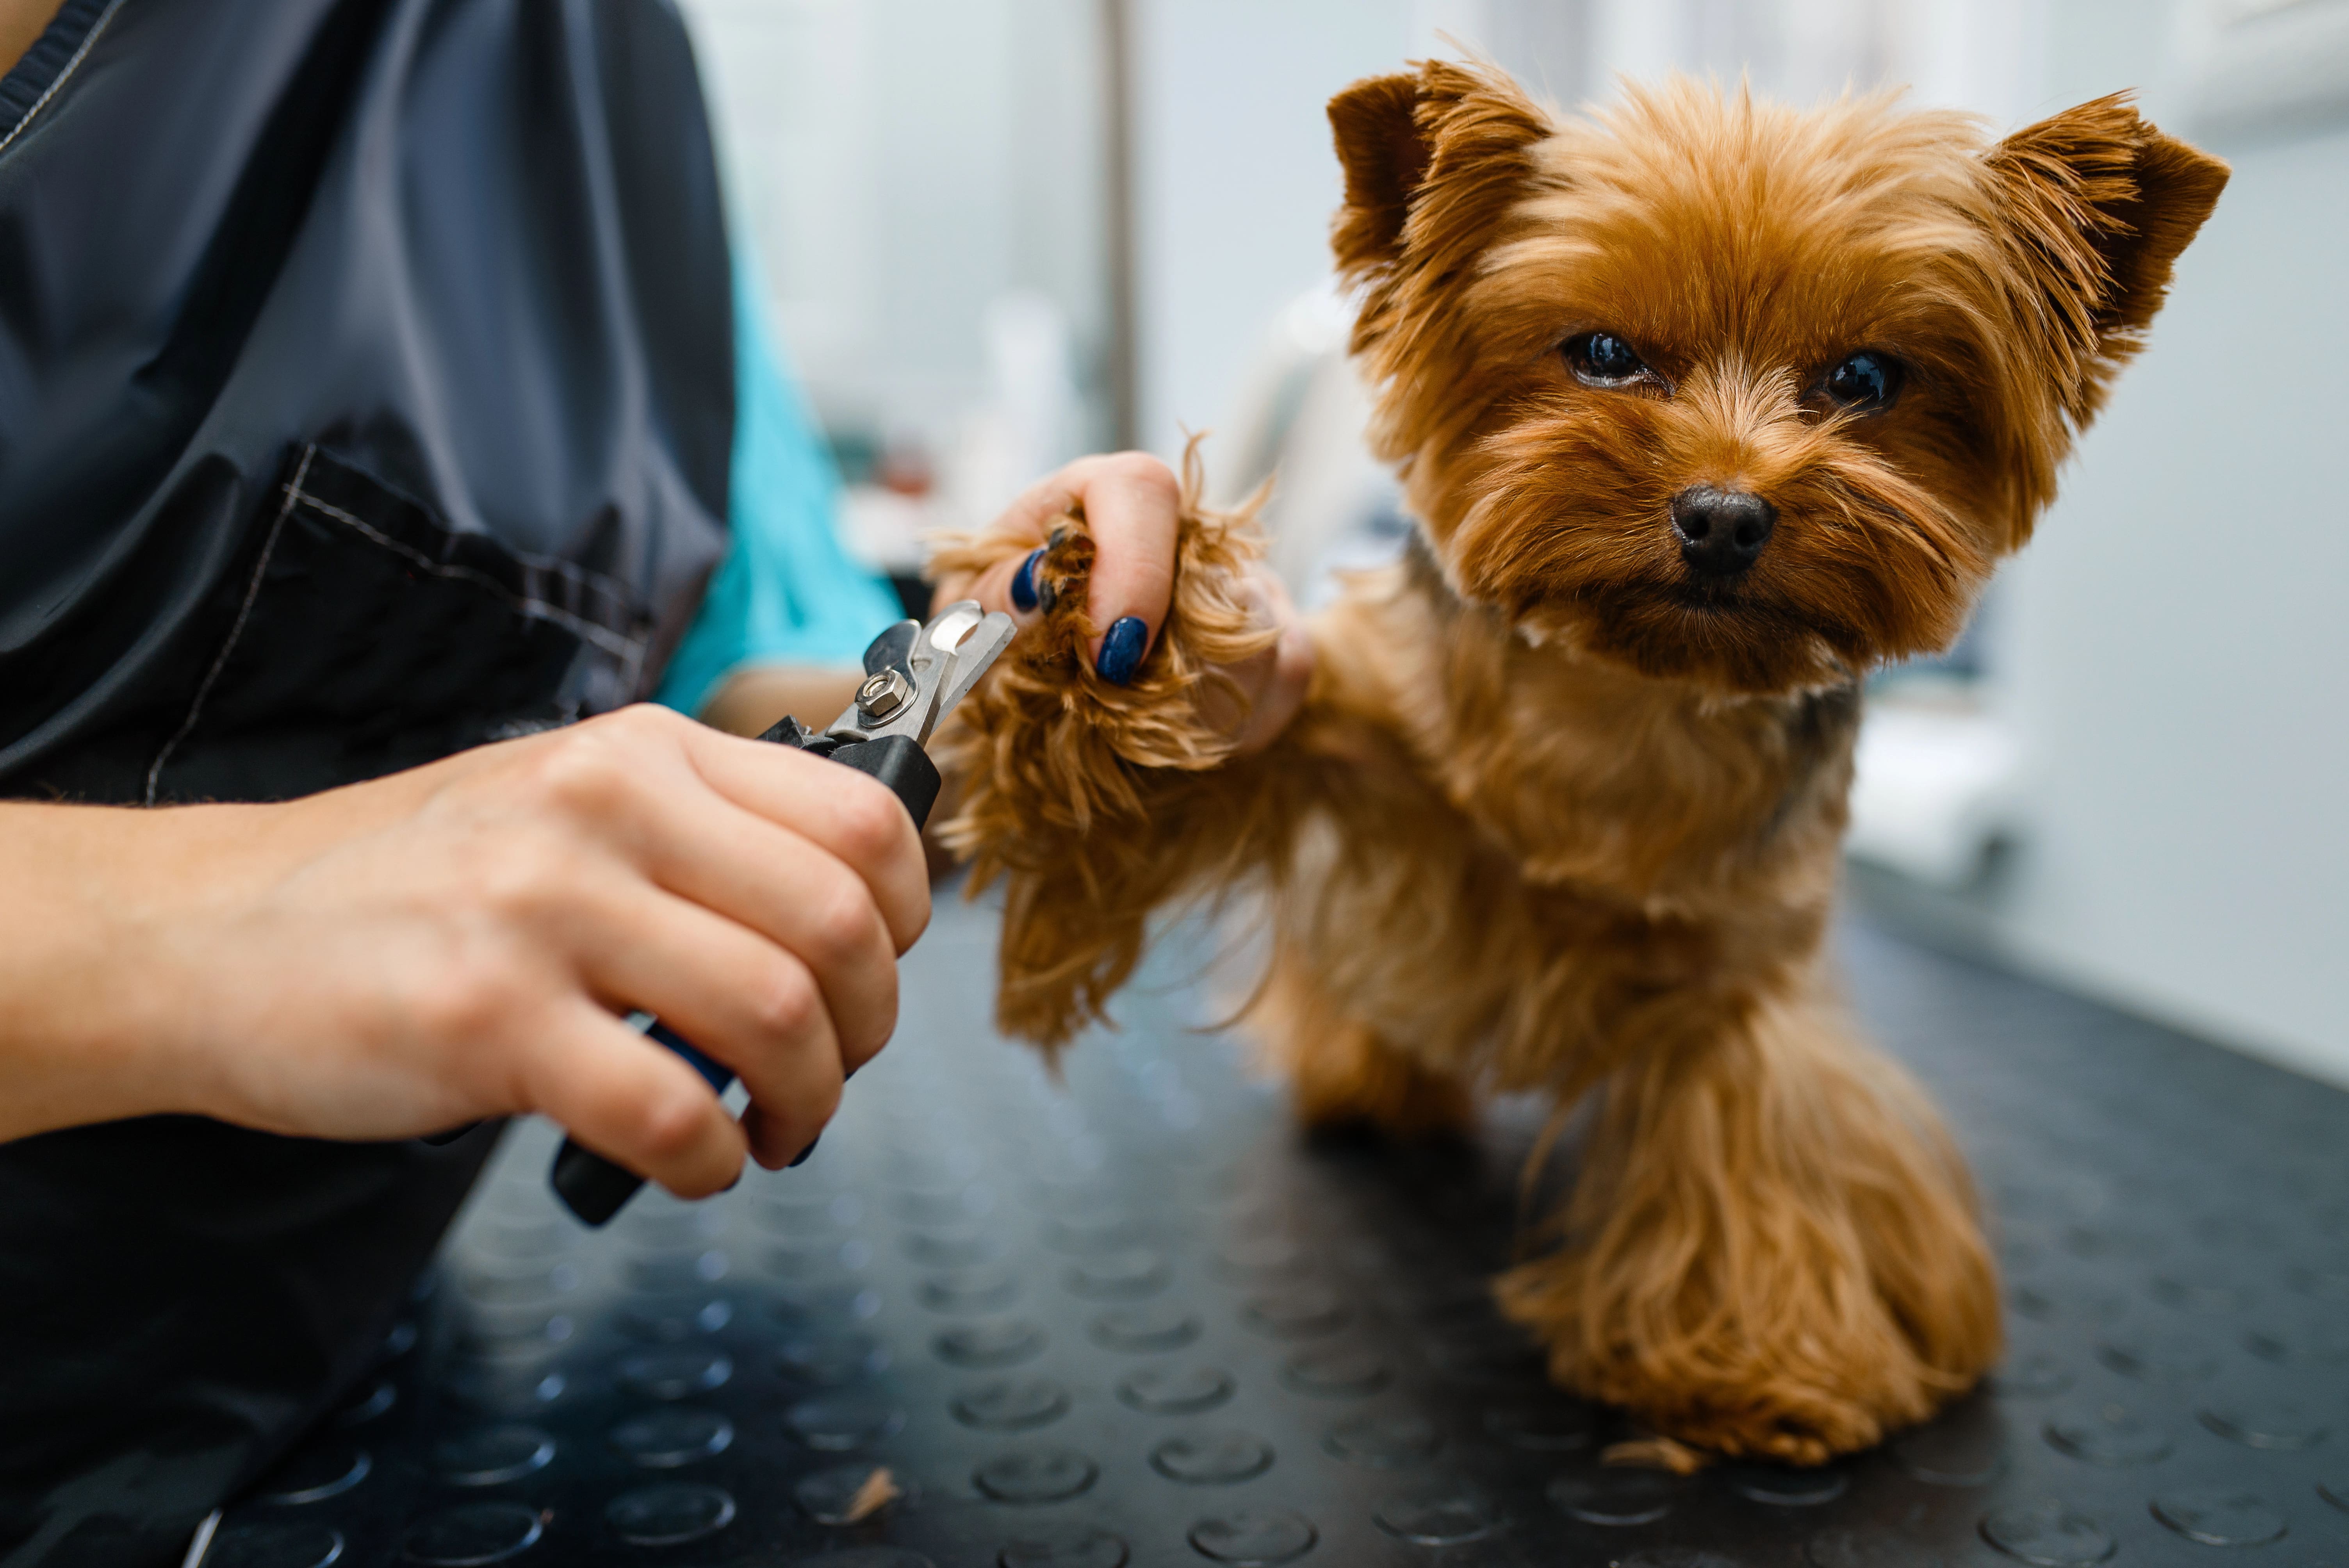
<point x="786" y="591"/>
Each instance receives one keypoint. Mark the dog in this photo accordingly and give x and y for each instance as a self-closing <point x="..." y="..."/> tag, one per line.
<point x="1703" y="407"/>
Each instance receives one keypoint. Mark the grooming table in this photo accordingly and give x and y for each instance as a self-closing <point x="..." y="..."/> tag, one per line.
<point x="1138" y="1320"/>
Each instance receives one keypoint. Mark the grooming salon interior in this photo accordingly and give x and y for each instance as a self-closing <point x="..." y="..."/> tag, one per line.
<point x="1220" y="1262"/>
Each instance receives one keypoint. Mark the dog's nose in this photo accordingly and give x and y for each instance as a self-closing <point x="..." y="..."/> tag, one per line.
<point x="1721" y="531"/>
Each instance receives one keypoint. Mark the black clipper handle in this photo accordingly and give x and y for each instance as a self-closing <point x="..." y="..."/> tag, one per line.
<point x="593" y="1187"/>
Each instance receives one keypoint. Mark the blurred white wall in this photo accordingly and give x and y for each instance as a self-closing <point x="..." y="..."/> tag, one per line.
<point x="1234" y="182"/>
<point x="2175" y="647"/>
<point x="901" y="166"/>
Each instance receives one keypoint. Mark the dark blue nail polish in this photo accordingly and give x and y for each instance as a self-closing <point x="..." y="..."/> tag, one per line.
<point x="801" y="1158"/>
<point x="1023" y="582"/>
<point x="1122" y="648"/>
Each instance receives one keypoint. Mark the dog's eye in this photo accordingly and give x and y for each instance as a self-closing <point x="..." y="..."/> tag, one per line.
<point x="1866" y="382"/>
<point x="1603" y="359"/>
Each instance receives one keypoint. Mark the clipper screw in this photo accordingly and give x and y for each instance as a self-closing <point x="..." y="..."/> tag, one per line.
<point x="884" y="694"/>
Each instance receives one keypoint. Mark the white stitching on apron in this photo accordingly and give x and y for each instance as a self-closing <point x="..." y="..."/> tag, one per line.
<point x="243" y="610"/>
<point x="629" y="650"/>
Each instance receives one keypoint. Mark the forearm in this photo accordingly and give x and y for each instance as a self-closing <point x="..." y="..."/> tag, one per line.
<point x="84" y="979"/>
<point x="463" y="940"/>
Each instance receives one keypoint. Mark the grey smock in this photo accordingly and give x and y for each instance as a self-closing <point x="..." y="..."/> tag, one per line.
<point x="366" y="394"/>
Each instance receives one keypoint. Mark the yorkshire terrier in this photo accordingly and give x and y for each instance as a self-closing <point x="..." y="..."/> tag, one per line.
<point x="1704" y="407"/>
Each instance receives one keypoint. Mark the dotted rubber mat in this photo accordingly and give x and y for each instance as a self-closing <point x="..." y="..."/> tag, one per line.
<point x="1137" y="1320"/>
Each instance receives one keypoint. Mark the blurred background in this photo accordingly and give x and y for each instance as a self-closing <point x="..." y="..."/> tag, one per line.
<point x="996" y="233"/>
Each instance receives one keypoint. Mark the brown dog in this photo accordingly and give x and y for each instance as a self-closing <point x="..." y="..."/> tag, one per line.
<point x="1705" y="409"/>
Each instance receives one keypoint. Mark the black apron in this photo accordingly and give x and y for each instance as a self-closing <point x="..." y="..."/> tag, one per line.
<point x="366" y="394"/>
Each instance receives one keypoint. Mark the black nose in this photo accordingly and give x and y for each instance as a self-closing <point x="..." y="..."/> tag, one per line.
<point x="1722" y="533"/>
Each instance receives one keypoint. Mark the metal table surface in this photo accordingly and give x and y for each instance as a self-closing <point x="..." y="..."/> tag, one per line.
<point x="1137" y="1319"/>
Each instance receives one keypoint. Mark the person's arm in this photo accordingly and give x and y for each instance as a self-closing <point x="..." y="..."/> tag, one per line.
<point x="462" y="940"/>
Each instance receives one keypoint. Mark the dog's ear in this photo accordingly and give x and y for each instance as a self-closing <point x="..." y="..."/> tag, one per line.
<point x="1433" y="159"/>
<point x="2096" y="205"/>
<point x="1375" y="125"/>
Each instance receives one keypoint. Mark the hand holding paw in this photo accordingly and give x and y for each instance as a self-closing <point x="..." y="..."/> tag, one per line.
<point x="1156" y="659"/>
<point x="1123" y="533"/>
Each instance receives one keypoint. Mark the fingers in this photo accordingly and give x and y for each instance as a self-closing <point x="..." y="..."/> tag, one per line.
<point x="1132" y="507"/>
<point x="1131" y="510"/>
<point x="847" y="814"/>
<point x="800" y="899"/>
<point x="992" y="589"/>
<point x="1288" y="666"/>
<point x="1260" y="694"/>
<point x="738" y="997"/>
<point x="632" y="1102"/>
<point x="1292" y="677"/>
<point x="763" y="933"/>
<point x="766" y="897"/>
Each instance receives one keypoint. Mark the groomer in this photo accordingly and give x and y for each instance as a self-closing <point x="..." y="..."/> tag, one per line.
<point x="369" y="426"/>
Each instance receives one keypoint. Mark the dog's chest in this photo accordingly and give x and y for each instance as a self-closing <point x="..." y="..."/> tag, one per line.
<point x="1598" y="780"/>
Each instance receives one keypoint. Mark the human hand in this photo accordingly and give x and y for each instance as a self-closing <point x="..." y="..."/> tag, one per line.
<point x="460" y="940"/>
<point x="1131" y="502"/>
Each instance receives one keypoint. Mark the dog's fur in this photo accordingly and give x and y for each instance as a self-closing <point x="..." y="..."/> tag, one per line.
<point x="1556" y="816"/>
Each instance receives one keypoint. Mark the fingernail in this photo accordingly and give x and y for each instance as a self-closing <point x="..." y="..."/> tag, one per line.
<point x="1122" y="649"/>
<point x="801" y="1158"/>
<point x="1023" y="582"/>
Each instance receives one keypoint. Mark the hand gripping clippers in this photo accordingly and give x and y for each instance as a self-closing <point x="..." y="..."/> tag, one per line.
<point x="913" y="675"/>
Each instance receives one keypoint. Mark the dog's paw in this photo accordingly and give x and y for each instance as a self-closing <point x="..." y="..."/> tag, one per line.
<point x="1093" y="802"/>
<point x="1832" y="1388"/>
<point x="1772" y="1249"/>
<point x="1048" y="748"/>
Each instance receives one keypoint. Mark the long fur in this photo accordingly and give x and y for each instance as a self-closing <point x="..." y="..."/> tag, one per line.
<point x="1049" y="756"/>
<point x="1555" y="817"/>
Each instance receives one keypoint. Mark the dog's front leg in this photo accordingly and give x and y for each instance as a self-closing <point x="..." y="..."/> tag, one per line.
<point x="1341" y="1072"/>
<point x="1096" y="803"/>
<point x="1772" y="1248"/>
